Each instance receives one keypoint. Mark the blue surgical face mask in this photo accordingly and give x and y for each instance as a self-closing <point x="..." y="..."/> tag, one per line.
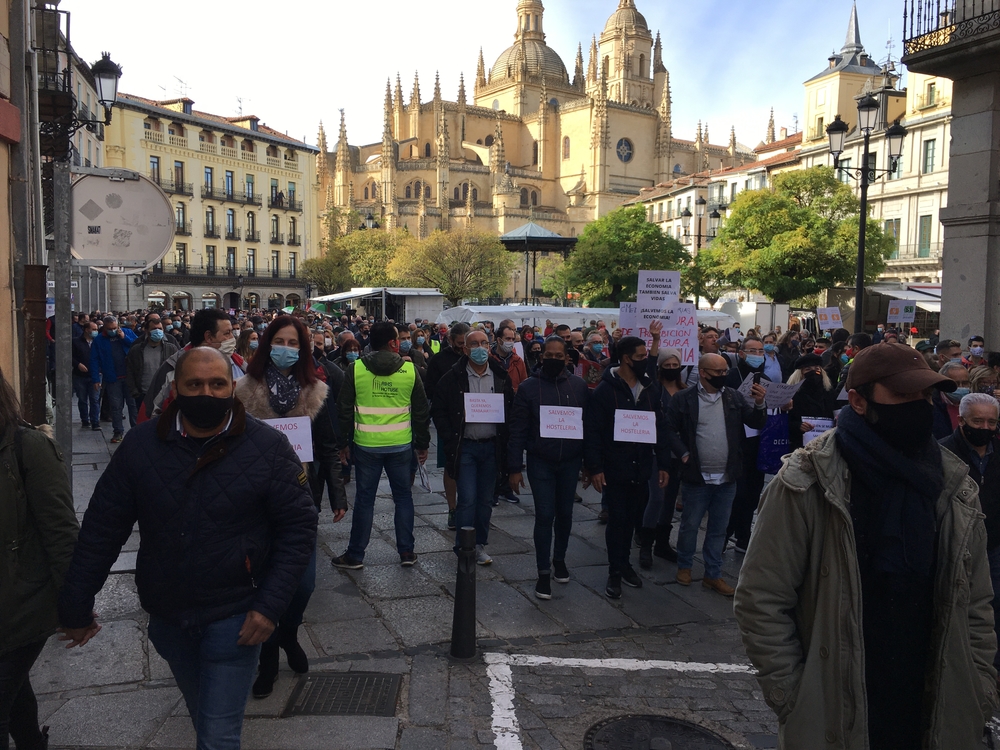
<point x="261" y="327"/>
<point x="957" y="395"/>
<point x="254" y="345"/>
<point x="755" y="360"/>
<point x="284" y="356"/>
<point x="94" y="334"/>
<point x="420" y="340"/>
<point x="769" y="348"/>
<point x="156" y="334"/>
<point x="479" y="355"/>
<point x="976" y="351"/>
<point x="844" y="359"/>
<point x="352" y="356"/>
<point x="405" y="346"/>
<point x="177" y="325"/>
<point x="598" y="348"/>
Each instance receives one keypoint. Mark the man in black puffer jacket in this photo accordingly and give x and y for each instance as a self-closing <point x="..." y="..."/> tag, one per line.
<point x="227" y="526"/>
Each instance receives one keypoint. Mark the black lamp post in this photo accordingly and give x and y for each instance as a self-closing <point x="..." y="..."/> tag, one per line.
<point x="713" y="226"/>
<point x="868" y="108"/>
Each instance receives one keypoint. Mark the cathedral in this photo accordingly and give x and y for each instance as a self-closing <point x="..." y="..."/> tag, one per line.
<point x="534" y="144"/>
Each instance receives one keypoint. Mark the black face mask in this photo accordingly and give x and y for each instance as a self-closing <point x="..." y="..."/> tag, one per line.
<point x="905" y="427"/>
<point x="813" y="379"/>
<point x="670" y="373"/>
<point x="552" y="368"/>
<point x="204" y="412"/>
<point x="978" y="436"/>
<point x="718" y="382"/>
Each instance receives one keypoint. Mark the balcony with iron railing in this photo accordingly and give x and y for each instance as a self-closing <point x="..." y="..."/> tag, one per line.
<point x="211" y="231"/>
<point x="927" y="252"/>
<point x="226" y="276"/>
<point x="182" y="228"/>
<point x="253" y="235"/>
<point x="243" y="197"/>
<point x="170" y="186"/>
<point x="295" y="239"/>
<point x="277" y="238"/>
<point x="937" y="26"/>
<point x="234" y="233"/>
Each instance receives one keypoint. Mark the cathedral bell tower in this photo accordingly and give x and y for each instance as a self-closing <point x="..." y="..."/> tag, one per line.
<point x="626" y="57"/>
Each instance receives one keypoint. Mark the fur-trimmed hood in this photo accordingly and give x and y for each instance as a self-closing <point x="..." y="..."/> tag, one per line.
<point x="254" y="395"/>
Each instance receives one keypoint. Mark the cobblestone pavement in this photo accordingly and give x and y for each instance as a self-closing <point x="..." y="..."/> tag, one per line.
<point x="662" y="649"/>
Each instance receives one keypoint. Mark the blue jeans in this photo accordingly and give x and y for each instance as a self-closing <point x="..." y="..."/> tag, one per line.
<point x="553" y="485"/>
<point x="118" y="398"/>
<point x="477" y="476"/>
<point x="213" y="673"/>
<point x="88" y="400"/>
<point x="368" y="468"/>
<point x="717" y="501"/>
<point x="994" y="558"/>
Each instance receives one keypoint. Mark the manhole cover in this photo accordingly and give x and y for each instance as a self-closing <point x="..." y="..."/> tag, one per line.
<point x="348" y="694"/>
<point x="650" y="733"/>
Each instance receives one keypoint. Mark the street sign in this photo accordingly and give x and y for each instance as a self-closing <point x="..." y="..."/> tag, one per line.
<point x="126" y="224"/>
<point x="901" y="311"/>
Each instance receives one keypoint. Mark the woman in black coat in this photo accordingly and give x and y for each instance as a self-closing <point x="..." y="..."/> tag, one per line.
<point x="814" y="399"/>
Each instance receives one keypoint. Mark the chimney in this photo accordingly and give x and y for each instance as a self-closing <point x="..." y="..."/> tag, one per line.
<point x="784" y="133"/>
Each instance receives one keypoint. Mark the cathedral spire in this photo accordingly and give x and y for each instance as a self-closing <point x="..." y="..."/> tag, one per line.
<point x="704" y="135"/>
<point x="853" y="41"/>
<point x="461" y="90"/>
<point x="437" y="86"/>
<point x="732" y="140"/>
<point x="321" y="145"/>
<point x="770" y="128"/>
<point x="665" y="101"/>
<point x="592" y="66"/>
<point x="387" y="116"/>
<point x="698" y="138"/>
<point x="658" y="66"/>
<point x="480" y="71"/>
<point x="343" y="152"/>
<point x="578" y="80"/>
<point x="398" y="94"/>
<point x="415" y="96"/>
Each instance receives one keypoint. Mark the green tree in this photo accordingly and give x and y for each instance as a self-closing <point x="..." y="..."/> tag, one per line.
<point x="798" y="237"/>
<point x="551" y="272"/>
<point x="330" y="273"/>
<point x="462" y="264"/>
<point x="705" y="277"/>
<point x="370" y="253"/>
<point x="604" y="266"/>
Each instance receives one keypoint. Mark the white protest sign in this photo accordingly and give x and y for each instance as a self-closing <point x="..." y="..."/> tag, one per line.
<point x="734" y="334"/>
<point x="680" y="328"/>
<point x="745" y="387"/>
<point x="635" y="426"/>
<point x="819" y="426"/>
<point x="562" y="422"/>
<point x="298" y="430"/>
<point x="828" y="318"/>
<point x="484" y="408"/>
<point x="658" y="288"/>
<point x="779" y="394"/>
<point x="902" y="311"/>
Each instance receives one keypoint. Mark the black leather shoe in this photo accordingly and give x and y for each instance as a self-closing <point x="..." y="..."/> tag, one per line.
<point x="296" y="657"/>
<point x="543" y="588"/>
<point x="631" y="578"/>
<point x="614" y="588"/>
<point x="267" y="670"/>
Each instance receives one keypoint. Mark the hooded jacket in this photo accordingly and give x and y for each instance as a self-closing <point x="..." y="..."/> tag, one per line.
<point x="383" y="363"/>
<point x="798" y="605"/>
<point x="535" y="392"/>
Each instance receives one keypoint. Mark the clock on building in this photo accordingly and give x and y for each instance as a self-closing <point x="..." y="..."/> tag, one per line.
<point x="625" y="150"/>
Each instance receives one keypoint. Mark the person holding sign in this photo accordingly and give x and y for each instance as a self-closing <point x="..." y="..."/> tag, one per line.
<point x="623" y="436"/>
<point x="815" y="399"/>
<point x="547" y="421"/>
<point x="284" y="381"/>
<point x="470" y="408"/>
<point x="705" y="427"/>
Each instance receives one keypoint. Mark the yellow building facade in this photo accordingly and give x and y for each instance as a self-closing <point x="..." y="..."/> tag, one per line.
<point x="244" y="198"/>
<point x="532" y="142"/>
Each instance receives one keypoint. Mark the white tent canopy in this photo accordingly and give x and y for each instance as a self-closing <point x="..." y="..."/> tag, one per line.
<point x="575" y="317"/>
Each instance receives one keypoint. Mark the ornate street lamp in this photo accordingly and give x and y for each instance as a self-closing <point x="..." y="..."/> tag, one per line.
<point x="106" y="74"/>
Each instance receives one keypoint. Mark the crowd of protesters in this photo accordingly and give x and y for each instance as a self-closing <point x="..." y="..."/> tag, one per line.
<point x="866" y="596"/>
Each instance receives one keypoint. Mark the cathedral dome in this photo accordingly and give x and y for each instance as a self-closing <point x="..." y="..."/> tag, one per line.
<point x="540" y="59"/>
<point x="626" y="16"/>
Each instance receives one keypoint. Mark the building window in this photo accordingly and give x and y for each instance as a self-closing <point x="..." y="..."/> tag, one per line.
<point x="844" y="171"/>
<point x="929" y="149"/>
<point x="625" y="150"/>
<point x="251" y="222"/>
<point x="209" y="219"/>
<point x="230" y="222"/>
<point x="179" y="174"/>
<point x="229" y="184"/>
<point x="892" y="230"/>
<point x="231" y="258"/>
<point x="475" y="195"/>
<point x="895" y="172"/>
<point x="181" y="215"/>
<point x="427" y="151"/>
<point x="292" y="263"/>
<point x="924" y="237"/>
<point x="566" y="147"/>
<point x="181" y="250"/>
<point x="732" y="192"/>
<point x="249" y="188"/>
<point x="651" y="213"/>
<point x="409" y="192"/>
<point x="931" y="94"/>
<point x="274" y="189"/>
<point x="534" y="198"/>
<point x="670" y="209"/>
<point x="642" y="66"/>
<point x="154" y="169"/>
<point x="489" y="141"/>
<point x="275" y="228"/>
<point x="210" y="258"/>
<point x="457" y="196"/>
<point x="366" y="192"/>
<point x="251" y="262"/>
<point x="275" y="262"/>
<point x="209" y="177"/>
<point x="427" y="192"/>
<point x="534" y="152"/>
<point x="293" y="225"/>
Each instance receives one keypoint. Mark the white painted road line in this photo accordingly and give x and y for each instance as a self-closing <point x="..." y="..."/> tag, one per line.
<point x="507" y="731"/>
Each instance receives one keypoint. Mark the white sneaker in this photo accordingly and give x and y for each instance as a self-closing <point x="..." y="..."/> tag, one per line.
<point x="482" y="558"/>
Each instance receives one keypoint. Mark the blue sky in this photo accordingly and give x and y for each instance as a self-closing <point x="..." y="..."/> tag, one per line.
<point x="297" y="62"/>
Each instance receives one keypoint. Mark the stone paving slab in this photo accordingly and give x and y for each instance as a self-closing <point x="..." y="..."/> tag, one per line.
<point x="355" y="637"/>
<point x="96" y="720"/>
<point x="118" y="598"/>
<point x="577" y="608"/>
<point x="510" y="614"/>
<point x="321" y="733"/>
<point x="116" y="655"/>
<point x="393" y="582"/>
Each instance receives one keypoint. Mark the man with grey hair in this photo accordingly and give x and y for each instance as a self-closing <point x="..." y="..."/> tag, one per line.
<point x="946" y="404"/>
<point x="975" y="442"/>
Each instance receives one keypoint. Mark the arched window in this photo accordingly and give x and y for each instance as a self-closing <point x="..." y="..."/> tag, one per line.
<point x="230" y="221"/>
<point x="427" y="151"/>
<point x="524" y="196"/>
<point x="366" y="193"/>
<point x="210" y="219"/>
<point x="475" y="195"/>
<point x="457" y="195"/>
<point x="534" y="152"/>
<point x="374" y="191"/>
<point x="465" y="191"/>
<point x="427" y="192"/>
<point x="534" y="198"/>
<point x="416" y="189"/>
<point x="566" y="147"/>
<point x="642" y="65"/>
<point x="275" y="226"/>
<point x="251" y="221"/>
<point x="409" y="193"/>
<point x="292" y="226"/>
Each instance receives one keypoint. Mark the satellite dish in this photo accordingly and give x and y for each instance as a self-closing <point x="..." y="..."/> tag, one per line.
<point x="122" y="222"/>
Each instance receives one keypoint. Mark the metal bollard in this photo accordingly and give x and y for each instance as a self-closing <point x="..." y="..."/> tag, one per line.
<point x="463" y="626"/>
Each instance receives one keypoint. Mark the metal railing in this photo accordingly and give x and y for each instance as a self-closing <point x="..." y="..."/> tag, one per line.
<point x="234" y="234"/>
<point x="215" y="271"/>
<point x="928" y="24"/>
<point x="277" y="238"/>
<point x="212" y="231"/>
<point x="169" y="186"/>
<point x="233" y="196"/>
<point x="253" y="235"/>
<point x="295" y="239"/>
<point x="182" y="227"/>
<point x="926" y="251"/>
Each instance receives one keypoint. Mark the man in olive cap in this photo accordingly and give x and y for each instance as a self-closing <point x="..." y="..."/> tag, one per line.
<point x="864" y="599"/>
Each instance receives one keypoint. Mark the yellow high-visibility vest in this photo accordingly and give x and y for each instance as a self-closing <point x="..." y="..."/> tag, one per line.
<point x="382" y="406"/>
<point x="435" y="346"/>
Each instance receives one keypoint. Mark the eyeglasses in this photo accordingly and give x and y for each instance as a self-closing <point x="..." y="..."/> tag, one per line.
<point x="716" y="372"/>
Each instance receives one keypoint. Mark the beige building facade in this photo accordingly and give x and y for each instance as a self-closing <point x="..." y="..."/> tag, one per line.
<point x="244" y="198"/>
<point x="529" y="140"/>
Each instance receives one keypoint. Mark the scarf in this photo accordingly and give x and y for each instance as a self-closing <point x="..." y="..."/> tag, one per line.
<point x="283" y="392"/>
<point x="893" y="498"/>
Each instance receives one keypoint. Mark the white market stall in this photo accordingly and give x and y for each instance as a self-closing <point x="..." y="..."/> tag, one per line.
<point x="401" y="303"/>
<point x="575" y="317"/>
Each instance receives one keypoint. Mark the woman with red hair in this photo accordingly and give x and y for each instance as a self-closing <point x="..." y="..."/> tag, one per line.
<point x="284" y="380"/>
